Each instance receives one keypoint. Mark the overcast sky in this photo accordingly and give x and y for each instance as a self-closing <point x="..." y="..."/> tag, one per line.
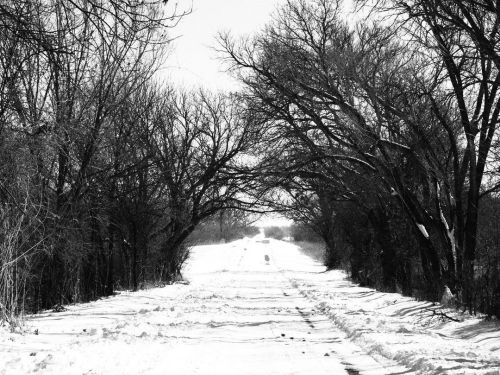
<point x="191" y="61"/>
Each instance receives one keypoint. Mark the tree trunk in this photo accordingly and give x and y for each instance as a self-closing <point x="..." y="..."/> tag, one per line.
<point x="383" y="236"/>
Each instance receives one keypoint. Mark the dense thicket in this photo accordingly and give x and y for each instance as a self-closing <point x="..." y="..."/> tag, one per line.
<point x="384" y="137"/>
<point x="103" y="173"/>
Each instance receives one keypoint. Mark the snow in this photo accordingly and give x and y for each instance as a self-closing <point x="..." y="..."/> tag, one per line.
<point x="241" y="314"/>
<point x="423" y="230"/>
<point x="447" y="299"/>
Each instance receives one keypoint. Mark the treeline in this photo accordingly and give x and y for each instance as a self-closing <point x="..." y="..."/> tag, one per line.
<point x="275" y="232"/>
<point x="383" y="135"/>
<point x="227" y="225"/>
<point x="104" y="173"/>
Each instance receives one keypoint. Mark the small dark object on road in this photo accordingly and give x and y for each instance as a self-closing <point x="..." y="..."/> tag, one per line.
<point x="327" y="355"/>
<point x="282" y="335"/>
<point x="291" y="338"/>
<point x="266" y="257"/>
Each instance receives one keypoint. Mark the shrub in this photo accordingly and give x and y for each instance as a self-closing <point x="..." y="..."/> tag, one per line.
<point x="274" y="232"/>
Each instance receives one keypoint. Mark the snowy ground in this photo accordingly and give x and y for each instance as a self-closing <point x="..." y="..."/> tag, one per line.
<point x="241" y="314"/>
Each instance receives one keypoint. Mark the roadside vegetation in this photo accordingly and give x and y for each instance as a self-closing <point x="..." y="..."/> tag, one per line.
<point x="309" y="242"/>
<point x="315" y="250"/>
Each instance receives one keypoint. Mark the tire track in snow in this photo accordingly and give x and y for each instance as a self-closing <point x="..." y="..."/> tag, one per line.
<point x="305" y="317"/>
<point x="386" y="363"/>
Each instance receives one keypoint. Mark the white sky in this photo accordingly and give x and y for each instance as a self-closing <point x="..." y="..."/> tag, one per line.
<point x="192" y="62"/>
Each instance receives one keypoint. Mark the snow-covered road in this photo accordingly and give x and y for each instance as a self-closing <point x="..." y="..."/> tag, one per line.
<point x="242" y="314"/>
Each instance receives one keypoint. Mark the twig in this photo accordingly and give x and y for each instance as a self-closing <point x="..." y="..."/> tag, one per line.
<point x="443" y="315"/>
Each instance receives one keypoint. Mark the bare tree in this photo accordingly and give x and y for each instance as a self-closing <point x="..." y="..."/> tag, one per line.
<point x="197" y="142"/>
<point x="69" y="68"/>
<point x="460" y="40"/>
